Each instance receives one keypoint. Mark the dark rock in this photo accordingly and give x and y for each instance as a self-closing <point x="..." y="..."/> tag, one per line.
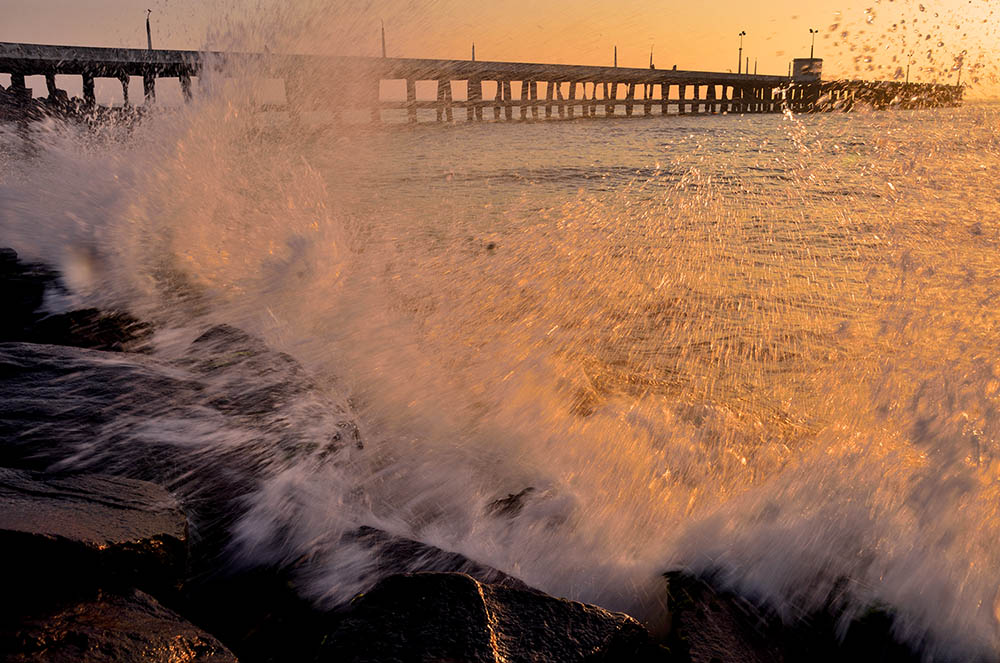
<point x="94" y="411"/>
<point x="22" y="293"/>
<point x="59" y="402"/>
<point x="398" y="555"/>
<point x="711" y="625"/>
<point x="708" y="626"/>
<point x="90" y="328"/>
<point x="631" y="643"/>
<point x="68" y="533"/>
<point x="509" y="506"/>
<point x="109" y="627"/>
<point x="452" y="617"/>
<point x="276" y="379"/>
<point x="260" y="613"/>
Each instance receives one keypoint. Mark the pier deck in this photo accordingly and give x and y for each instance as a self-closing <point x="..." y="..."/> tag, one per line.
<point x="568" y="89"/>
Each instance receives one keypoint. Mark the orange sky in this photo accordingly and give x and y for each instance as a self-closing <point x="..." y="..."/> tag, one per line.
<point x="868" y="39"/>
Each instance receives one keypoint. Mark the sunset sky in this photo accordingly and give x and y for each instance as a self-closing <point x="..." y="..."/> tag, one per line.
<point x="869" y="39"/>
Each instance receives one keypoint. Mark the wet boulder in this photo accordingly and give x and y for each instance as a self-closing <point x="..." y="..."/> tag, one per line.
<point x="113" y="331"/>
<point x="22" y="292"/>
<point x="108" y="627"/>
<point x="260" y="612"/>
<point x="710" y="624"/>
<point x="23" y="287"/>
<point x="63" y="534"/>
<point x="399" y="555"/>
<point x="453" y="617"/>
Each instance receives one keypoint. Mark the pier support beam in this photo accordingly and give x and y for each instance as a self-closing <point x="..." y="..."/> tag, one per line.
<point x="508" y="108"/>
<point x="19" y="90"/>
<point x="681" y="110"/>
<point x="475" y="96"/>
<point x="710" y="96"/>
<point x="548" y="98"/>
<point x="50" y="85"/>
<point x="498" y="101"/>
<point x="185" y="79"/>
<point x="89" y="98"/>
<point x="525" y="98"/>
<point x="647" y="99"/>
<point x="561" y="106"/>
<point x="444" y="107"/>
<point x="629" y="99"/>
<point x="570" y="110"/>
<point x="664" y="98"/>
<point x="411" y="101"/>
<point x="534" y="99"/>
<point x="123" y="78"/>
<point x="696" y="96"/>
<point x="149" y="87"/>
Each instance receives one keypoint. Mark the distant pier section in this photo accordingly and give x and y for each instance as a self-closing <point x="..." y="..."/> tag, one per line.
<point x="478" y="90"/>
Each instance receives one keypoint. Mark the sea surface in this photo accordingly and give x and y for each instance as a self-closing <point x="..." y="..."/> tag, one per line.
<point x="761" y="346"/>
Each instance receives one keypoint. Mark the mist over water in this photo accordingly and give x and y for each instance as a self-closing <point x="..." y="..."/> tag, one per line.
<point x="764" y="346"/>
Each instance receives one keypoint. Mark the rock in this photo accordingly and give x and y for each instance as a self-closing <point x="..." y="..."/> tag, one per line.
<point x="22" y="293"/>
<point x="259" y="614"/>
<point x="109" y="627"/>
<point x="70" y="533"/>
<point x="259" y="611"/>
<point x="59" y="402"/>
<point x="399" y="555"/>
<point x="453" y="617"/>
<point x="90" y="328"/>
<point x="509" y="506"/>
<point x="710" y="625"/>
<point x="249" y="377"/>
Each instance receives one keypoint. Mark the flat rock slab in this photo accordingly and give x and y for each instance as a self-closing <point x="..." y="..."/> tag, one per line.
<point x="453" y="617"/>
<point x="130" y="626"/>
<point x="68" y="530"/>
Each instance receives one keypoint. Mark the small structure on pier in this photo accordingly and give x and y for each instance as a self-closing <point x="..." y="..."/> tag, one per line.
<point x="807" y="70"/>
<point x="568" y="89"/>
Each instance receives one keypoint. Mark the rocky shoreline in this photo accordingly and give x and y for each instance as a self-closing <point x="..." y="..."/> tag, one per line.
<point x="117" y="560"/>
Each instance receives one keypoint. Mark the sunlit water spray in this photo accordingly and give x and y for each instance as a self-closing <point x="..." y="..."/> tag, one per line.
<point x="764" y="346"/>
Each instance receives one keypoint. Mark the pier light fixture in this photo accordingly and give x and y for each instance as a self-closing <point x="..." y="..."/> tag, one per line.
<point x="739" y="59"/>
<point x="812" y="48"/>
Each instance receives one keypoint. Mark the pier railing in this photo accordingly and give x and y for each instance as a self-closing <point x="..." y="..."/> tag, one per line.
<point x="553" y="90"/>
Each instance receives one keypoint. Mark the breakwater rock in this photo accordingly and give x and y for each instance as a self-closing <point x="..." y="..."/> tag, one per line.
<point x="129" y="626"/>
<point x="452" y="617"/>
<point x="82" y="531"/>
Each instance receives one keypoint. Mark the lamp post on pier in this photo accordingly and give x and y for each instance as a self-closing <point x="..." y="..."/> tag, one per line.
<point x="812" y="48"/>
<point x="739" y="60"/>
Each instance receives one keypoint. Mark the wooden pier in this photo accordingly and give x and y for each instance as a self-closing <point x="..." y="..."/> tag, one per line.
<point x="543" y="90"/>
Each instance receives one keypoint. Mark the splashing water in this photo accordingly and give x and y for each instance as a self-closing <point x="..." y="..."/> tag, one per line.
<point x="761" y="345"/>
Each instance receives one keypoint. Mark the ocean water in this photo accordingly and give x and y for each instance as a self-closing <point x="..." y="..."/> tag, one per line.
<point x="761" y="346"/>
